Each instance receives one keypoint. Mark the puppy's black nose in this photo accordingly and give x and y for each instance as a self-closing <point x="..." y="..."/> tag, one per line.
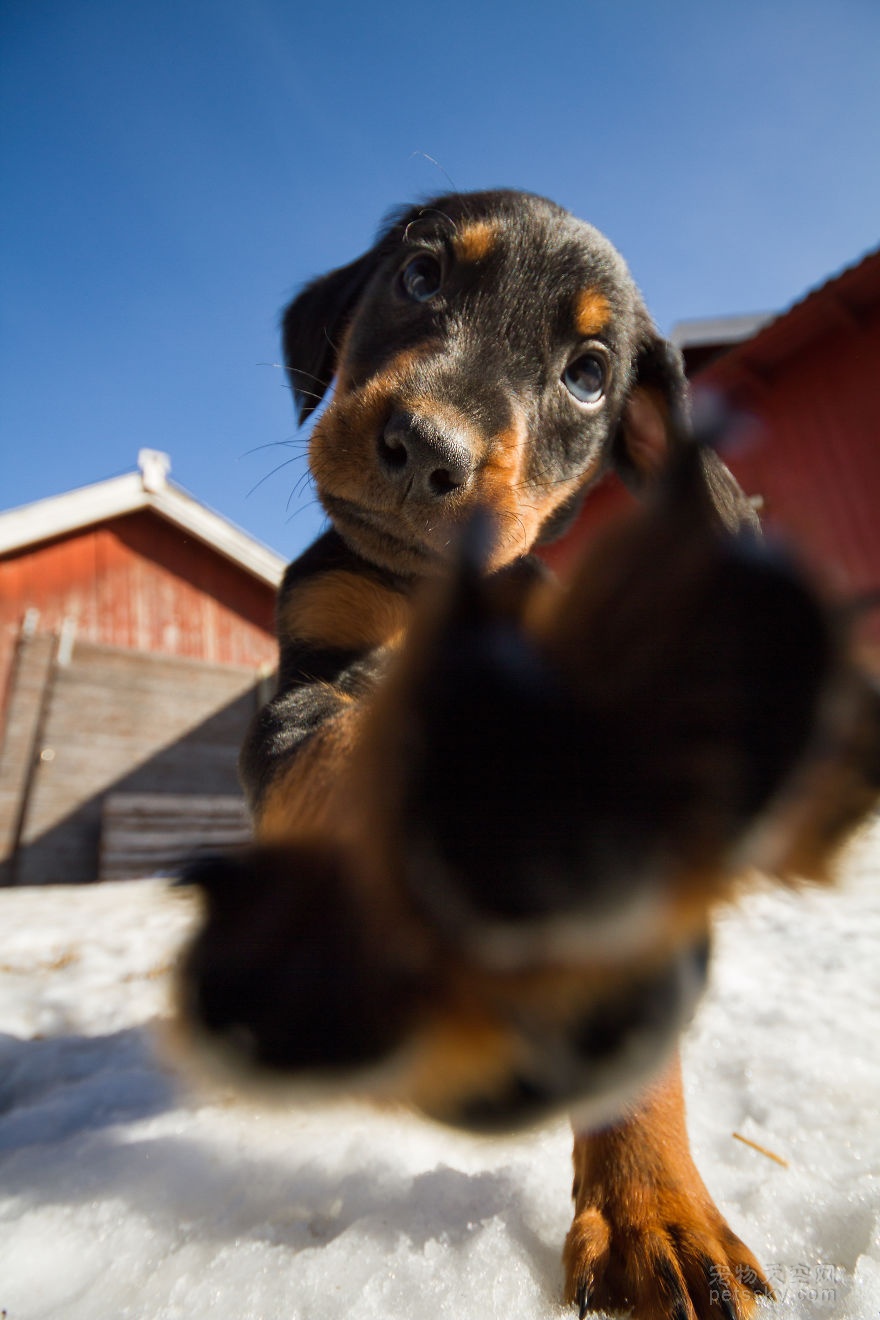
<point x="424" y="458"/>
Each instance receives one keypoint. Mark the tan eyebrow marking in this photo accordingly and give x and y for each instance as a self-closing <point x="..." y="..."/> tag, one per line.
<point x="476" y="240"/>
<point x="592" y="312"/>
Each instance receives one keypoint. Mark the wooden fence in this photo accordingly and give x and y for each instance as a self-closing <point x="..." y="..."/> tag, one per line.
<point x="84" y="721"/>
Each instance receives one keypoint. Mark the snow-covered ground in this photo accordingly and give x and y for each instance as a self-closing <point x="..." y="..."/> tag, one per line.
<point x="124" y="1194"/>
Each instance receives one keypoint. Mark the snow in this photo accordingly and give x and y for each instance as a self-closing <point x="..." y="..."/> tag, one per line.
<point x="126" y="1193"/>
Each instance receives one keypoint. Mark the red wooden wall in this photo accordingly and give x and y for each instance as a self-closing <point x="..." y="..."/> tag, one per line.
<point x="811" y="382"/>
<point x="139" y="582"/>
<point x="816" y="457"/>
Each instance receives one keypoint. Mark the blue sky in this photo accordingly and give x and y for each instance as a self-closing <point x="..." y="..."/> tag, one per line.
<point x="173" y="170"/>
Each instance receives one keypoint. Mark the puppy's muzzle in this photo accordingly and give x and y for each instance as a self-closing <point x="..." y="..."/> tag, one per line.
<point x="426" y="460"/>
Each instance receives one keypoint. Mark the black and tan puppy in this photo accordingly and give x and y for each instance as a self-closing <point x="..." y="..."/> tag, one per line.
<point x="493" y="814"/>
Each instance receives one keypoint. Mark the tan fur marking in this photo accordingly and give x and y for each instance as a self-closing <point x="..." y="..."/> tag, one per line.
<point x="520" y="508"/>
<point x="454" y="1057"/>
<point x="346" y="610"/>
<point x="305" y="798"/>
<point x="501" y="490"/>
<point x="384" y="382"/>
<point x="592" y="312"/>
<point x="467" y="1046"/>
<point x="342" y="444"/>
<point x="475" y="241"/>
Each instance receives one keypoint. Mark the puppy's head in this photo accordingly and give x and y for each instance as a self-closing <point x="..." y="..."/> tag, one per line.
<point x="489" y="350"/>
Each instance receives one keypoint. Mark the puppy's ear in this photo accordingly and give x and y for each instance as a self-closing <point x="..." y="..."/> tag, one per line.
<point x="655" y="412"/>
<point x="655" y="423"/>
<point x="312" y="326"/>
<point x="314" y="323"/>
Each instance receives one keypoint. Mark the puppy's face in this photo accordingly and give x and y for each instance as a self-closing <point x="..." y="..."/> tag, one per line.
<point x="489" y="350"/>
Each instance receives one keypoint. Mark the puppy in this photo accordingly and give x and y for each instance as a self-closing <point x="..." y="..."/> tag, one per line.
<point x="493" y="814"/>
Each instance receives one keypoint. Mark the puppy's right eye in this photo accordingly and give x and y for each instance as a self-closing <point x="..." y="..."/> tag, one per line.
<point x="421" y="277"/>
<point x="585" y="378"/>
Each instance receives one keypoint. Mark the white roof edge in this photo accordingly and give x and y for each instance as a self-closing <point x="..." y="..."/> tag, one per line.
<point x="58" y="515"/>
<point x="718" y="329"/>
<point x="219" y="533"/>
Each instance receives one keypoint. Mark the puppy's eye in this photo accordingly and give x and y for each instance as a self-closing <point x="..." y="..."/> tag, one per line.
<point x="585" y="378"/>
<point x="421" y="277"/>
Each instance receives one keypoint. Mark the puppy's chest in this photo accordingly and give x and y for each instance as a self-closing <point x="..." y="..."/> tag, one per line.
<point x="337" y="617"/>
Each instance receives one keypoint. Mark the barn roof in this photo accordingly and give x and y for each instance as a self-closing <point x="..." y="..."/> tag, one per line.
<point x="735" y="347"/>
<point x="717" y="331"/>
<point x="150" y="489"/>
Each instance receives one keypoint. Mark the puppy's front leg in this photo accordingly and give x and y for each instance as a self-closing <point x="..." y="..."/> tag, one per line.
<point x="647" y="1237"/>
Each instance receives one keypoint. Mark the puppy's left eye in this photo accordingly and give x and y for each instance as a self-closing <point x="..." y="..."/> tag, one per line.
<point x="421" y="278"/>
<point x="586" y="378"/>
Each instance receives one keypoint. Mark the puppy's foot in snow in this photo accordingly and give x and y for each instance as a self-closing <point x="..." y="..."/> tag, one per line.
<point x="647" y="1238"/>
<point x="676" y="1259"/>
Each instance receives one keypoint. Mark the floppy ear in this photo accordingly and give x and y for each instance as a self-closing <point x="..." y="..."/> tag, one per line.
<point x="313" y="324"/>
<point x="655" y="423"/>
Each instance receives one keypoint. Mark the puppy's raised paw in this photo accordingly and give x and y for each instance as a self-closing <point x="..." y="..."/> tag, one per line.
<point x="550" y="756"/>
<point x="286" y="973"/>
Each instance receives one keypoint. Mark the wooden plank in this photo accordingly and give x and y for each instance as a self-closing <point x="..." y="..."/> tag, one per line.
<point x="175" y="806"/>
<point x="150" y="833"/>
<point x="25" y="710"/>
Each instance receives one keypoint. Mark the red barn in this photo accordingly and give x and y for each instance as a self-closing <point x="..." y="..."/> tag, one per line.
<point x="809" y="378"/>
<point x="136" y="631"/>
